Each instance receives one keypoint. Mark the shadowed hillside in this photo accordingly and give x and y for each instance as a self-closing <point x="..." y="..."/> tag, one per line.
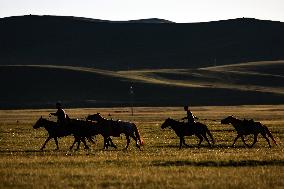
<point x="89" y="62"/>
<point x="148" y="43"/>
<point x="42" y="85"/>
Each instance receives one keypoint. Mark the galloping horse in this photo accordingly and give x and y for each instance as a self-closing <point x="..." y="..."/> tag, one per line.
<point x="245" y="127"/>
<point x="109" y="128"/>
<point x="55" y="131"/>
<point x="181" y="129"/>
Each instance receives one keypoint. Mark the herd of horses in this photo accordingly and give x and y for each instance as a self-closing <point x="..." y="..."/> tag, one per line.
<point x="95" y="124"/>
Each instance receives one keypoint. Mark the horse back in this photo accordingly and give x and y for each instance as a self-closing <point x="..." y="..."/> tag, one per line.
<point x="199" y="125"/>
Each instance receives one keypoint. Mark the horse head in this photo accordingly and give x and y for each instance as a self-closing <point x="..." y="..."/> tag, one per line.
<point x="166" y="123"/>
<point x="228" y="120"/>
<point x="39" y="123"/>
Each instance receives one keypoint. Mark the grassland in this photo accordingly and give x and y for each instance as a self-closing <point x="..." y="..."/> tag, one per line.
<point x="160" y="164"/>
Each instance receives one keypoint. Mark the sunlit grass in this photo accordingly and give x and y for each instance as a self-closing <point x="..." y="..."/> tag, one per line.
<point x="160" y="164"/>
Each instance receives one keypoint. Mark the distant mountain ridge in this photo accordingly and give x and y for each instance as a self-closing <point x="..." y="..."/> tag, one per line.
<point x="147" y="20"/>
<point x="138" y="44"/>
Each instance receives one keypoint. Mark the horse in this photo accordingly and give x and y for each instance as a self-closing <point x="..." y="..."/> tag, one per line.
<point x="109" y="128"/>
<point x="55" y="131"/>
<point x="182" y="129"/>
<point x="247" y="127"/>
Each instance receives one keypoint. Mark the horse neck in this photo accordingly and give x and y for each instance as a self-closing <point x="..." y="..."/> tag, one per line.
<point x="48" y="125"/>
<point x="175" y="124"/>
<point x="236" y="122"/>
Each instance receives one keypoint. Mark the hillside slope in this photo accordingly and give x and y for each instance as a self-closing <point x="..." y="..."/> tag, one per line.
<point x="144" y="44"/>
<point x="42" y="85"/>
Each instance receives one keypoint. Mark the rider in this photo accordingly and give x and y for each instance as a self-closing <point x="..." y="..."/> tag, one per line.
<point x="60" y="114"/>
<point x="189" y="116"/>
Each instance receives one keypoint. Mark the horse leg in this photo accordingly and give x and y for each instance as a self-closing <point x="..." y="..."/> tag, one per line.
<point x="243" y="139"/>
<point x="180" y="142"/>
<point x="264" y="136"/>
<point x="78" y="143"/>
<point x="84" y="142"/>
<point x="128" y="141"/>
<point x="106" y="143"/>
<point x="254" y="140"/>
<point x="56" y="142"/>
<point x="185" y="143"/>
<point x="136" y="140"/>
<point x="111" y="143"/>
<point x="238" y="136"/>
<point x="206" y="138"/>
<point x="90" y="139"/>
<point x="200" y="139"/>
<point x="46" y="141"/>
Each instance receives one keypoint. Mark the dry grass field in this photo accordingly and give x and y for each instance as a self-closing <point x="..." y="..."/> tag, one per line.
<point x="160" y="164"/>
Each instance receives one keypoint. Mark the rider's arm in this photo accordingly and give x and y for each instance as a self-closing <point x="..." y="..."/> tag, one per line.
<point x="54" y="114"/>
<point x="184" y="118"/>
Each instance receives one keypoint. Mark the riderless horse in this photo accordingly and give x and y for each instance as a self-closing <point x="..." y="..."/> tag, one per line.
<point x="247" y="127"/>
<point x="109" y="128"/>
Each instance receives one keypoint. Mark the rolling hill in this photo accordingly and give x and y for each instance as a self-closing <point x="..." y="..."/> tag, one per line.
<point x="42" y="85"/>
<point x="141" y="44"/>
<point x="92" y="63"/>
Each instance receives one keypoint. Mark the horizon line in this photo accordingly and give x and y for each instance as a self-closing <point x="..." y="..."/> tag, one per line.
<point x="140" y="19"/>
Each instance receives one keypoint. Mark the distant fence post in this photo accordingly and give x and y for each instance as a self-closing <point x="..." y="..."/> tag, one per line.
<point x="131" y="93"/>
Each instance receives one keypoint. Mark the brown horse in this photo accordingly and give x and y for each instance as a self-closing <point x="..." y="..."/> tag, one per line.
<point x="55" y="131"/>
<point x="109" y="128"/>
<point x="247" y="127"/>
<point x="182" y="129"/>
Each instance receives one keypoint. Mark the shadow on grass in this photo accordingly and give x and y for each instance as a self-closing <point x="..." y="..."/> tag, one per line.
<point x="230" y="163"/>
<point x="215" y="146"/>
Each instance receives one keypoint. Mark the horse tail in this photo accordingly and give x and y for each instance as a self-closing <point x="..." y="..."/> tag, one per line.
<point x="269" y="134"/>
<point x="210" y="135"/>
<point x="138" y="135"/>
<point x="206" y="131"/>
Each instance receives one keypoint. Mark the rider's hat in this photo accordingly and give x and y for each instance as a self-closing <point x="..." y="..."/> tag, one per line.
<point x="185" y="107"/>
<point x="58" y="104"/>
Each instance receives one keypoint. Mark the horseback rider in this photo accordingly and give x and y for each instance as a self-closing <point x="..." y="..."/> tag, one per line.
<point x="189" y="116"/>
<point x="60" y="114"/>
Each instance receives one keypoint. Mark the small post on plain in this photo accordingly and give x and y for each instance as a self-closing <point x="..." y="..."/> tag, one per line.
<point x="131" y="93"/>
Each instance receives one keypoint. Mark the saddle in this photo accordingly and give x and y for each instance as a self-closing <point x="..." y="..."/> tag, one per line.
<point x="115" y="128"/>
<point x="247" y="122"/>
<point x="189" y="127"/>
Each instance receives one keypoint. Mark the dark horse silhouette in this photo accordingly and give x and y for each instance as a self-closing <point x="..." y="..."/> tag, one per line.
<point x="247" y="127"/>
<point x="182" y="129"/>
<point x="109" y="128"/>
<point x="55" y="131"/>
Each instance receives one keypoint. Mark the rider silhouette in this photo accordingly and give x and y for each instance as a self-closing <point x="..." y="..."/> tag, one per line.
<point x="60" y="114"/>
<point x="189" y="116"/>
